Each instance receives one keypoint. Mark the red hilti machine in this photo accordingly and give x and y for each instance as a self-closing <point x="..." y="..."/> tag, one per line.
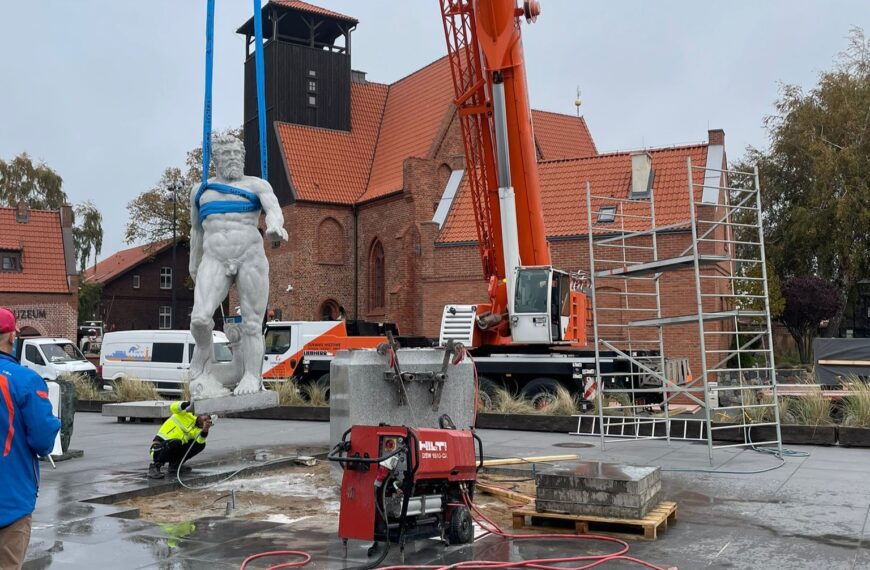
<point x="407" y="483"/>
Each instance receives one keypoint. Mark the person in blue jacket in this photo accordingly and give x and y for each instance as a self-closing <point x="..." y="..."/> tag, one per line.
<point x="27" y="430"/>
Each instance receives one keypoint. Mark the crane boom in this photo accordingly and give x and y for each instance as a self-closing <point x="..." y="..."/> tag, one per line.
<point x="485" y="50"/>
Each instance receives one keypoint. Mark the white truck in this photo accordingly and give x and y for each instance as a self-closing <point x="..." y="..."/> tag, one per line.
<point x="51" y="357"/>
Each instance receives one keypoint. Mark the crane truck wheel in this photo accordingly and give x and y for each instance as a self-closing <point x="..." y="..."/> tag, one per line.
<point x="540" y="391"/>
<point x="486" y="388"/>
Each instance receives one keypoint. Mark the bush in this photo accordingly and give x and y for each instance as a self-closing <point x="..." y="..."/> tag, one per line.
<point x="134" y="390"/>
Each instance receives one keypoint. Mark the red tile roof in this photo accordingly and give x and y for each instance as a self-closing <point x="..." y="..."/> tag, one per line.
<point x="312" y="9"/>
<point x="563" y="191"/>
<point x="119" y="263"/>
<point x="562" y="136"/>
<point x="40" y="240"/>
<point x="333" y="166"/>
<point x="415" y="112"/>
<point x="390" y="124"/>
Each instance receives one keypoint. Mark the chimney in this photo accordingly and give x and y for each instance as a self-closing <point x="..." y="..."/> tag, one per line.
<point x="66" y="216"/>
<point x="641" y="174"/>
<point x="358" y="76"/>
<point x="716" y="137"/>
<point x="22" y="212"/>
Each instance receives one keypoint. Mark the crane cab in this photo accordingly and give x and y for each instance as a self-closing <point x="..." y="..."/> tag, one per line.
<point x="547" y="307"/>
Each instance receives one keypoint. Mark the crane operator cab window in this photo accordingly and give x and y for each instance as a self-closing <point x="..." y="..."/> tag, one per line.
<point x="533" y="289"/>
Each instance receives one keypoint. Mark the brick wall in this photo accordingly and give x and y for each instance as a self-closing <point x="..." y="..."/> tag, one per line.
<point x="48" y="314"/>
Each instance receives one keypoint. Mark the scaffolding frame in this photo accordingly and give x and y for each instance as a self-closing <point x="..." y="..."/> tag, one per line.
<point x="726" y="257"/>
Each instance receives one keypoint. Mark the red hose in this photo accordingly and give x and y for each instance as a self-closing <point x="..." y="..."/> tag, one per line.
<point x="306" y="558"/>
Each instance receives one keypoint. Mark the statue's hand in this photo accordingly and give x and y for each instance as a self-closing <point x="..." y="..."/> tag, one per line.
<point x="276" y="233"/>
<point x="193" y="274"/>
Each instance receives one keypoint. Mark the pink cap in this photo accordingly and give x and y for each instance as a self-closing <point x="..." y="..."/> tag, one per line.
<point x="7" y="321"/>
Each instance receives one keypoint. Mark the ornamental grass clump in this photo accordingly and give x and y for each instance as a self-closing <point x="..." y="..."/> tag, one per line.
<point x="130" y="389"/>
<point x="505" y="402"/>
<point x="856" y="406"/>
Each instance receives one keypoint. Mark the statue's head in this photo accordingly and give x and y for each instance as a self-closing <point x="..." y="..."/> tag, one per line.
<point x="229" y="156"/>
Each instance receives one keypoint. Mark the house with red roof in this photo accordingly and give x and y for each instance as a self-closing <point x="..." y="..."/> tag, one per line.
<point x="137" y="285"/>
<point x="371" y="180"/>
<point x="38" y="275"/>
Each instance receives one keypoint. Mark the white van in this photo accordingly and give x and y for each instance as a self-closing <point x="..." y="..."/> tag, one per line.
<point x="51" y="357"/>
<point x="161" y="356"/>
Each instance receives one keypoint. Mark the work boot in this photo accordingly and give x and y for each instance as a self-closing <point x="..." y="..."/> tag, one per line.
<point x="173" y="469"/>
<point x="154" y="471"/>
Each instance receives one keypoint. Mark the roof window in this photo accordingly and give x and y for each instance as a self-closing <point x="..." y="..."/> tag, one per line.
<point x="606" y="215"/>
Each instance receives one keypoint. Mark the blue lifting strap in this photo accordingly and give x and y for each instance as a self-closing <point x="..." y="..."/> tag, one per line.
<point x="253" y="202"/>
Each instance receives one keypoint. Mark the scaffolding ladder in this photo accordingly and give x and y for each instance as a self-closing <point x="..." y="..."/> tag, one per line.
<point x="730" y="326"/>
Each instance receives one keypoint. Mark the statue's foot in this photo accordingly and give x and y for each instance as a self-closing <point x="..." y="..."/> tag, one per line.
<point x="249" y="384"/>
<point x="205" y="386"/>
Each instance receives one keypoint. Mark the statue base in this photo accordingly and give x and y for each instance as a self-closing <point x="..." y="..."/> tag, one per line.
<point x="231" y="404"/>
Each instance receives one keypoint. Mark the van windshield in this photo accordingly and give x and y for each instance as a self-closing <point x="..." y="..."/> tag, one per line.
<point x="62" y="352"/>
<point x="222" y="352"/>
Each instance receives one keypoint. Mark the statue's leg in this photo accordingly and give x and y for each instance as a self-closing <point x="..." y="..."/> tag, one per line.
<point x="212" y="286"/>
<point x="253" y="286"/>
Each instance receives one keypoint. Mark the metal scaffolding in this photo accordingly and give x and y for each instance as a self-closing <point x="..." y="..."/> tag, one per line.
<point x="736" y="387"/>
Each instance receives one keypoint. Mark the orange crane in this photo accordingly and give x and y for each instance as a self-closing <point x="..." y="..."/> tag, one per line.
<point x="531" y="302"/>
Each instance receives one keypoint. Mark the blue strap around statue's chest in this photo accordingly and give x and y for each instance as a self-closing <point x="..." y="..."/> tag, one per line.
<point x="252" y="203"/>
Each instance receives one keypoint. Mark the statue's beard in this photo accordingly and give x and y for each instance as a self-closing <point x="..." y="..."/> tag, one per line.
<point x="232" y="171"/>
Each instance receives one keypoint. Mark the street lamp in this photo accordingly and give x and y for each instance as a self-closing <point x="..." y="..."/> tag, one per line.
<point x="174" y="198"/>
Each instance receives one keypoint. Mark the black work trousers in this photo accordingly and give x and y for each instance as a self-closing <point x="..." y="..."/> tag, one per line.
<point x="172" y="451"/>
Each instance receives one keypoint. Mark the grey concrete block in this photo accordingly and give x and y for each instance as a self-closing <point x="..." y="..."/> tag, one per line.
<point x="616" y="511"/>
<point x="600" y="476"/>
<point x="158" y="409"/>
<point x="597" y="488"/>
<point x="598" y="497"/>
<point x="359" y="395"/>
<point x="229" y="404"/>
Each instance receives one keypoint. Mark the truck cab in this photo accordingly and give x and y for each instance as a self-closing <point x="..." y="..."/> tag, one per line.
<point x="51" y="357"/>
<point x="304" y="349"/>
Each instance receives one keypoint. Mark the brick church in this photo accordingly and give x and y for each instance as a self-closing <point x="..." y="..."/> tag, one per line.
<point x="370" y="178"/>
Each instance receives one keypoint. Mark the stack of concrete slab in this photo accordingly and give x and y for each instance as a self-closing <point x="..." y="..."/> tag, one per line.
<point x="600" y="489"/>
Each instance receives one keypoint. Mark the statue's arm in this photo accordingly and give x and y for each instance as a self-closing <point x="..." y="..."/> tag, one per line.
<point x="274" y="216"/>
<point x="195" y="235"/>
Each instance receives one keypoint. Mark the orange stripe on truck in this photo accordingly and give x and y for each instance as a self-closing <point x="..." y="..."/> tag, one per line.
<point x="42" y="394"/>
<point x="7" y="397"/>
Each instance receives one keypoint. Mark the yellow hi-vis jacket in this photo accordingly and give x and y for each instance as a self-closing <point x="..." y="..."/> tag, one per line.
<point x="181" y="425"/>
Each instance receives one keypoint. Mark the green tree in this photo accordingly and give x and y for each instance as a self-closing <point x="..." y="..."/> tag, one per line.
<point x="35" y="183"/>
<point x="816" y="175"/>
<point x="87" y="233"/>
<point x="150" y="214"/>
<point x="89" y="297"/>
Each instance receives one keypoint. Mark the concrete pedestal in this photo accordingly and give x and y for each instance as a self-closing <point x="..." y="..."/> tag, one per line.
<point x="359" y="394"/>
<point x="151" y="409"/>
<point x="232" y="404"/>
<point x="602" y="489"/>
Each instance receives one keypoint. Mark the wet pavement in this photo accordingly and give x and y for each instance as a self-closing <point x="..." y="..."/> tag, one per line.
<point x="811" y="513"/>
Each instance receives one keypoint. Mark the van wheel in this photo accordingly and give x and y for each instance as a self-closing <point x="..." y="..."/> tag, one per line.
<point x="540" y="391"/>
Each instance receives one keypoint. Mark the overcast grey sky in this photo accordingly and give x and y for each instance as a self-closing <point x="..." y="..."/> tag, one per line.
<point x="109" y="92"/>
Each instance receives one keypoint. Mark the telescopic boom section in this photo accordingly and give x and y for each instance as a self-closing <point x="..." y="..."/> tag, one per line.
<point x="486" y="57"/>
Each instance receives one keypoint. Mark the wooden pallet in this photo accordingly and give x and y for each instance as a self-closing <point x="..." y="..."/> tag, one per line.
<point x="657" y="518"/>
